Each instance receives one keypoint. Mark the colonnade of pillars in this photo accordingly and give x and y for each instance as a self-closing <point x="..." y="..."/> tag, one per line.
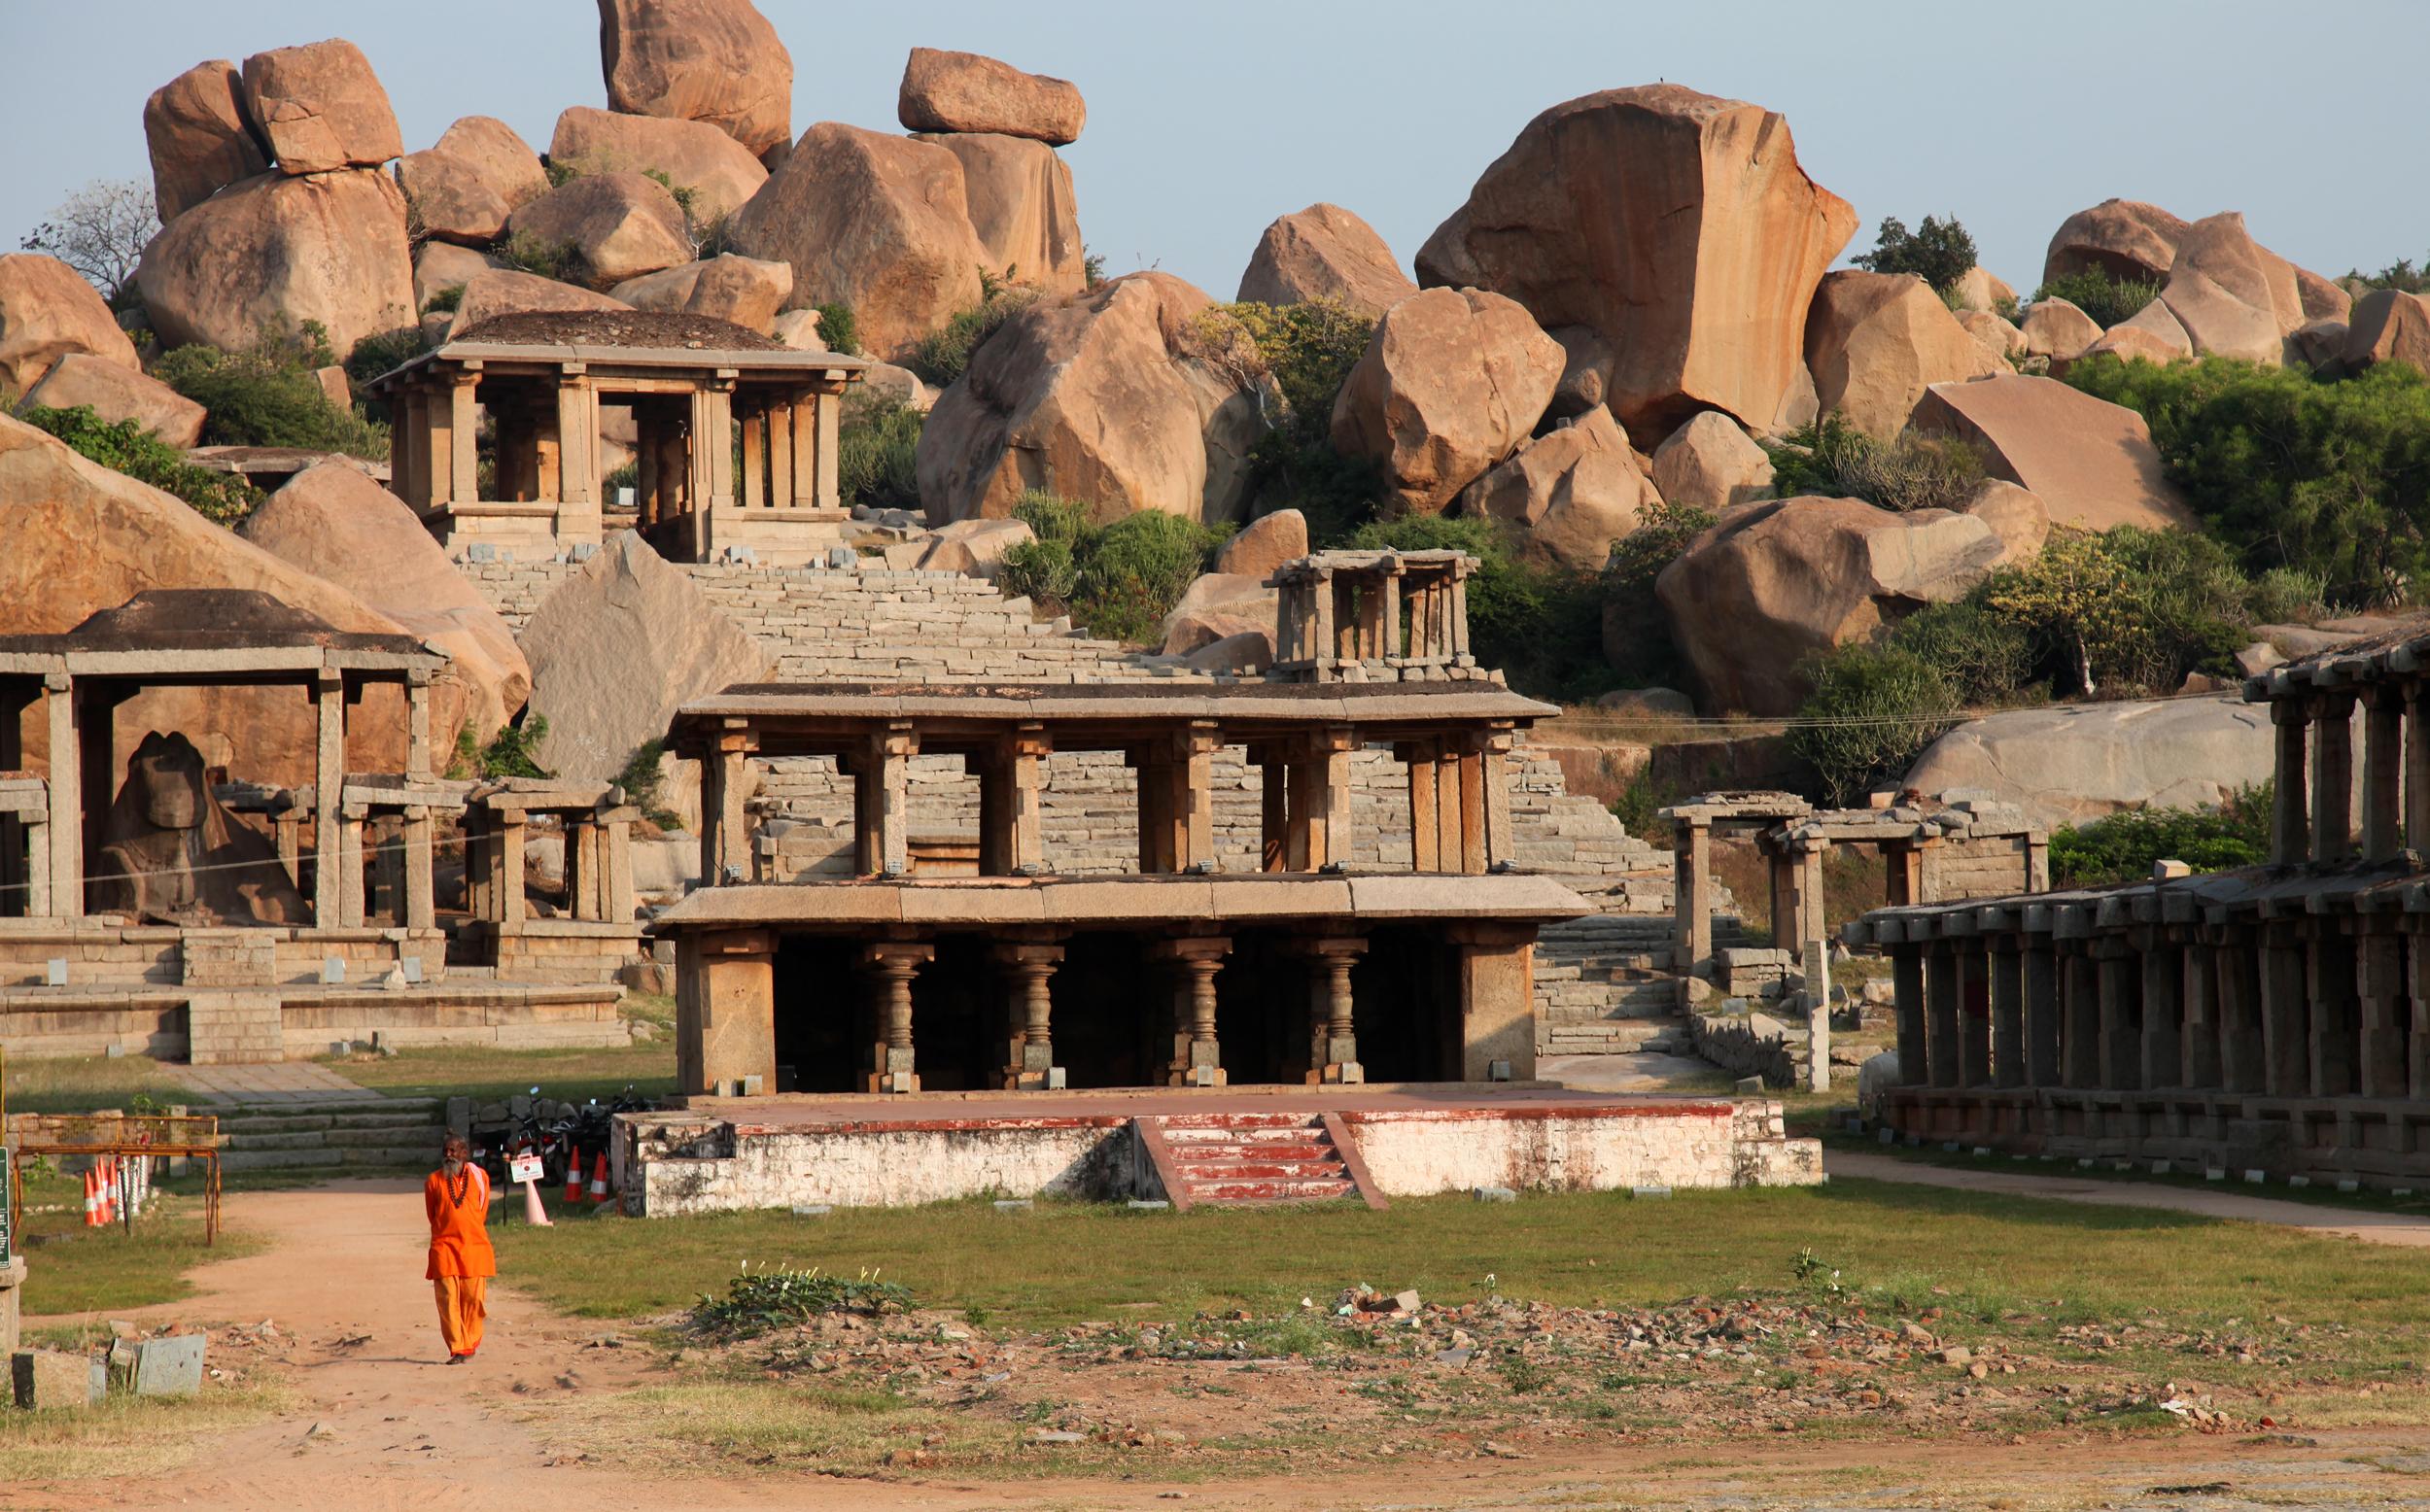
<point x="2287" y="1009"/>
<point x="598" y="866"/>
<point x="544" y="442"/>
<point x="2314" y="800"/>
<point x="1328" y="615"/>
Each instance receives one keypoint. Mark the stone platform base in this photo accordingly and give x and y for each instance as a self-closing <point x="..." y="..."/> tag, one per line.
<point x="2374" y="1143"/>
<point x="279" y="1022"/>
<point x="728" y="1154"/>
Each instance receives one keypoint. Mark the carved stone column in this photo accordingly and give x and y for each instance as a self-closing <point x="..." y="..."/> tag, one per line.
<point x="890" y="965"/>
<point x="1334" y="1049"/>
<point x="1197" y="1051"/>
<point x="1030" y="1059"/>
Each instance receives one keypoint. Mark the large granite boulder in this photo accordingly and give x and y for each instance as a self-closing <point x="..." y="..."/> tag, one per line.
<point x="1980" y="290"/>
<point x="1997" y="335"/>
<point x="2123" y="238"/>
<point x="616" y="225"/>
<point x="334" y="522"/>
<point x="2057" y="329"/>
<point x="444" y="265"/>
<point x="1776" y="582"/>
<point x="1324" y="253"/>
<point x="320" y="108"/>
<point x="720" y="173"/>
<point x="116" y="392"/>
<point x="199" y="140"/>
<point x="1451" y="381"/>
<point x="1098" y="396"/>
<point x="2073" y="763"/>
<point x="2092" y="462"/>
<point x="49" y="312"/>
<point x="2389" y="325"/>
<point x="1023" y="207"/>
<point x="1263" y="544"/>
<point x="2128" y="239"/>
<point x="2017" y="516"/>
<point x="85" y="538"/>
<point x="1221" y="607"/>
<point x="277" y="251"/>
<point x="497" y="291"/>
<point x="1677" y="226"/>
<point x="1565" y="497"/>
<point x="1710" y="463"/>
<point x="964" y="91"/>
<point x="712" y="60"/>
<point x="464" y="188"/>
<point x="880" y="222"/>
<point x="615" y="649"/>
<point x="742" y="289"/>
<point x="2153" y="333"/>
<point x="1875" y="341"/>
<point x="2234" y="299"/>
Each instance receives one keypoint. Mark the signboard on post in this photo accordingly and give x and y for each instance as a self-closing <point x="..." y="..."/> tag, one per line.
<point x="523" y="1168"/>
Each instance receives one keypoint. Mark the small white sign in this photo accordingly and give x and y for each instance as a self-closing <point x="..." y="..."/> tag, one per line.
<point x="523" y="1168"/>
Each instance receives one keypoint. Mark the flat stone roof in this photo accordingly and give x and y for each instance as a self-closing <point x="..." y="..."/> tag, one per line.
<point x="992" y="901"/>
<point x="195" y="632"/>
<point x="624" y="340"/>
<point x="618" y="328"/>
<point x="1298" y="703"/>
<point x="2403" y="651"/>
<point x="2244" y="895"/>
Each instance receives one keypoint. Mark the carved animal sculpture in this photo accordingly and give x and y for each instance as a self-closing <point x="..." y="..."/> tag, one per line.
<point x="170" y="854"/>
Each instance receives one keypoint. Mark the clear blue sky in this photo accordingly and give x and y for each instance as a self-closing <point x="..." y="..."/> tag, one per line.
<point x="1205" y="122"/>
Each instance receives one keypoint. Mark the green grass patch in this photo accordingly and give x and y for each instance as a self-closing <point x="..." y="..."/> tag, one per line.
<point x="128" y="1438"/>
<point x="82" y="1084"/>
<point x="489" y="1073"/>
<point x="74" y="1269"/>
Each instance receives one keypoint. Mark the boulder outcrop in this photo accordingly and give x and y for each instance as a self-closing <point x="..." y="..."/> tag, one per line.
<point x="2123" y="238"/>
<point x="1710" y="463"/>
<point x="1775" y="582"/>
<point x="1451" y="381"/>
<point x="1875" y="341"/>
<point x="712" y="60"/>
<point x="719" y="173"/>
<point x="1565" y="497"/>
<point x="2234" y="299"/>
<point x="1324" y="253"/>
<point x="276" y="250"/>
<point x="2389" y="325"/>
<point x="1263" y="544"/>
<point x="48" y="312"/>
<point x="742" y="289"/>
<point x="880" y="222"/>
<point x="1980" y="290"/>
<point x="964" y="91"/>
<point x="116" y="392"/>
<point x="1998" y="334"/>
<point x="616" y="225"/>
<point x="1677" y="226"/>
<point x="2057" y="329"/>
<point x="2073" y="763"/>
<point x="199" y="140"/>
<point x="464" y="188"/>
<point x="615" y="649"/>
<point x="444" y="265"/>
<point x="2017" y="516"/>
<point x="2089" y="462"/>
<point x="1098" y="396"/>
<point x="320" y="108"/>
<point x="1023" y="207"/>
<point x="496" y="292"/>
<point x="1221" y="607"/>
<point x="335" y="523"/>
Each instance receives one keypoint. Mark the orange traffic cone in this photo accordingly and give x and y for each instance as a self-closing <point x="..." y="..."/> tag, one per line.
<point x="573" y="1174"/>
<point x="599" y="1178"/>
<point x="92" y="1198"/>
<point x="113" y="1190"/>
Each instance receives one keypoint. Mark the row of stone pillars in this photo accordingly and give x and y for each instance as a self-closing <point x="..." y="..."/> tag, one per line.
<point x="2314" y="798"/>
<point x="891" y="1063"/>
<point x="2295" y="1009"/>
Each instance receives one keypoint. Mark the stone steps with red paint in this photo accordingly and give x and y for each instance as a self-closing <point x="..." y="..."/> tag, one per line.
<point x="1196" y="1171"/>
<point x="1305" y="1190"/>
<point x="1252" y="1160"/>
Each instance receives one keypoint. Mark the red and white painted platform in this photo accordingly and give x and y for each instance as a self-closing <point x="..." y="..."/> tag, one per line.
<point x="1196" y="1146"/>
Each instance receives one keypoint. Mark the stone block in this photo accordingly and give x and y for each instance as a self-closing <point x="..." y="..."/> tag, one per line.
<point x="47" y="1379"/>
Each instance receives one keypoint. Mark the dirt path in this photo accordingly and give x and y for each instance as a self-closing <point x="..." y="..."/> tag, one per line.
<point x="2392" y="1229"/>
<point x="341" y="1275"/>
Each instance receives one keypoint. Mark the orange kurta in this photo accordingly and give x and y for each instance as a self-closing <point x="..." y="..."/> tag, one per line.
<point x="461" y="1258"/>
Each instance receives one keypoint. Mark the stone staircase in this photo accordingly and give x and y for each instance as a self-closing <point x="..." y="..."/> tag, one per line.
<point x="1238" y="1161"/>
<point x="381" y="1133"/>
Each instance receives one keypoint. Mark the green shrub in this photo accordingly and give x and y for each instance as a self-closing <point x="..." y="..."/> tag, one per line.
<point x="223" y="497"/>
<point x="1293" y="358"/>
<point x="838" y="328"/>
<point x="271" y="396"/>
<point x="877" y="453"/>
<point x="2105" y="298"/>
<point x="1938" y="252"/>
<point x="643" y="780"/>
<point x="1638" y="641"/>
<point x="530" y="253"/>
<point x="513" y="752"/>
<point x="2330" y="479"/>
<point x="759" y="1302"/>
<point x="1132" y="572"/>
<point x="2400" y="275"/>
<point x="383" y="353"/>
<point x="2128" y="610"/>
<point x="2283" y="596"/>
<point x="445" y="300"/>
<point x="1985" y="656"/>
<point x="943" y="356"/>
<point x="1541" y="626"/>
<point x="1873" y="711"/>
<point x="1832" y="457"/>
<point x="1051" y="517"/>
<point x="1042" y="571"/>
<point x="2121" y="848"/>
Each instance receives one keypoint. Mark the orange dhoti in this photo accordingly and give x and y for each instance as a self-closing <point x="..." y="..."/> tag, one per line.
<point x="462" y="1305"/>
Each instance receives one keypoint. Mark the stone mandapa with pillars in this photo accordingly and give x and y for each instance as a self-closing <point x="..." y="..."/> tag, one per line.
<point x="2274" y="1019"/>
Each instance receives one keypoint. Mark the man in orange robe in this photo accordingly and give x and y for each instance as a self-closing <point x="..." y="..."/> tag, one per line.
<point x="456" y="1199"/>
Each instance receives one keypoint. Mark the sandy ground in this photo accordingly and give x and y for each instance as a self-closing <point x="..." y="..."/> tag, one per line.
<point x="342" y="1276"/>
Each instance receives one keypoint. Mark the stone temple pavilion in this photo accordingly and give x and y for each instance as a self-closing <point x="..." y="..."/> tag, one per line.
<point x="734" y="450"/>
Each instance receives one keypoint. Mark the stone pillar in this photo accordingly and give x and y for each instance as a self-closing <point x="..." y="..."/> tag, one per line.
<point x="1030" y="1059"/>
<point x="1197" y="1051"/>
<point x="884" y="806"/>
<point x="725" y="1011"/>
<point x="464" y="485"/>
<point x="828" y="416"/>
<point x="2380" y="987"/>
<point x="2163" y="1048"/>
<point x="421" y="908"/>
<point x="2383" y="771"/>
<point x="2290" y="827"/>
<point x="581" y="864"/>
<point x="1497" y="981"/>
<point x="1472" y="807"/>
<point x="724" y="836"/>
<point x="2121" y="992"/>
<point x="418" y="727"/>
<point x="615" y="881"/>
<point x="2239" y="971"/>
<point x="1974" y="1014"/>
<point x="579" y="499"/>
<point x="1418" y="757"/>
<point x="2080" y="1045"/>
<point x="350" y="866"/>
<point x="2008" y="1068"/>
<point x="1940" y="1013"/>
<point x="2041" y="1012"/>
<point x="2418" y="1041"/>
<point x="1274" y="804"/>
<point x="2333" y="779"/>
<point x="2335" y="1015"/>
<point x="784" y="491"/>
<point x="1494" y="763"/>
<point x="512" y="910"/>
<point x="1321" y="634"/>
<point x="1692" y="850"/>
<point x="66" y="822"/>
<point x="1906" y="974"/>
<point x="1334" y="1040"/>
<point x="2286" y="1060"/>
<point x="752" y="421"/>
<point x="328" y="698"/>
<point x="1816" y="969"/>
<point x="2200" y="1057"/>
<point x="2418" y="764"/>
<point x="890" y="965"/>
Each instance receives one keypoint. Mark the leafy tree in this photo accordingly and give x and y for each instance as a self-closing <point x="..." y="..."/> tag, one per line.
<point x="2400" y="275"/>
<point x="839" y="327"/>
<point x="101" y="231"/>
<point x="1986" y="656"/>
<point x="1872" y="711"/>
<point x="1291" y="359"/>
<point x="2106" y="299"/>
<point x="1636" y="638"/>
<point x="2329" y="480"/>
<point x="2129" y="608"/>
<point x="1938" y="252"/>
<point x="223" y="497"/>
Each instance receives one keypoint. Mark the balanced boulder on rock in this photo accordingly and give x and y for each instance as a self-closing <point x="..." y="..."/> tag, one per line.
<point x="719" y="174"/>
<point x="464" y="188"/>
<point x="1451" y="381"/>
<point x="48" y="312"/>
<point x="712" y="60"/>
<point x="1324" y="253"/>
<point x="1677" y="224"/>
<point x="964" y="91"/>
<point x="1875" y="341"/>
<point x="117" y="392"/>
<point x="2092" y="462"/>
<point x="199" y="140"/>
<point x="320" y="108"/>
<point x="275" y="252"/>
<point x="616" y="225"/>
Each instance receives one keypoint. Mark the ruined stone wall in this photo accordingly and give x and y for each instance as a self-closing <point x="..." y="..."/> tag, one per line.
<point x="1993" y="867"/>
